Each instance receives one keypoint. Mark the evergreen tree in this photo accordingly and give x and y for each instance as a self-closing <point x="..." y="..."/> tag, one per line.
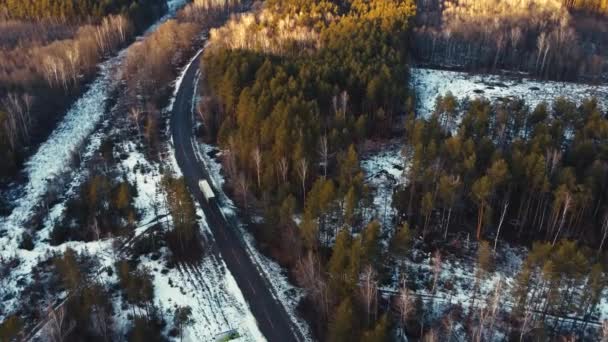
<point x="10" y="328"/>
<point x="339" y="262"/>
<point x="183" y="212"/>
<point x="379" y="333"/>
<point x="341" y="327"/>
<point x="182" y="318"/>
<point x="69" y="270"/>
<point x="480" y="192"/>
<point x="401" y="241"/>
<point x="371" y="243"/>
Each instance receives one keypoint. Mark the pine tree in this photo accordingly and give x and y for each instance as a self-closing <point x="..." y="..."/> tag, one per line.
<point x="181" y="318"/>
<point x="123" y="196"/>
<point x="349" y="169"/>
<point x="447" y="188"/>
<point x="341" y="328"/>
<point x="427" y="209"/>
<point x="480" y="192"/>
<point x="350" y="205"/>
<point x="309" y="229"/>
<point x="521" y="289"/>
<point x="401" y="242"/>
<point x="339" y="262"/>
<point x="484" y="258"/>
<point x="183" y="212"/>
<point x="69" y="269"/>
<point x="10" y="328"/>
<point x="371" y="243"/>
<point x="379" y="333"/>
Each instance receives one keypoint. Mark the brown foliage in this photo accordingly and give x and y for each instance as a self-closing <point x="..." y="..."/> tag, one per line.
<point x="150" y="64"/>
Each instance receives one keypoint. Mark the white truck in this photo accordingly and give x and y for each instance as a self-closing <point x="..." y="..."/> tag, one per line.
<point x="206" y="189"/>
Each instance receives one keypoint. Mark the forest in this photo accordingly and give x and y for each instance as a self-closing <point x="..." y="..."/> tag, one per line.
<point x="563" y="40"/>
<point x="74" y="11"/>
<point x="497" y="229"/>
<point x="539" y="171"/>
<point x="291" y="108"/>
<point x="291" y="91"/>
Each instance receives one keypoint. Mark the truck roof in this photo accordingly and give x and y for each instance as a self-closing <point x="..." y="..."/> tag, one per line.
<point x="206" y="189"/>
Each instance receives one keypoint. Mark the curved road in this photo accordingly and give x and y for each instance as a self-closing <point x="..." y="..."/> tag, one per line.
<point x="272" y="318"/>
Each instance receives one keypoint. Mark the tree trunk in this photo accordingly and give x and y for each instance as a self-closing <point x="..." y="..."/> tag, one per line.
<point x="480" y="220"/>
<point x="502" y="218"/>
<point x="447" y="225"/>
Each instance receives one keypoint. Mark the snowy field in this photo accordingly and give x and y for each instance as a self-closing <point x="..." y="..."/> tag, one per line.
<point x="430" y="83"/>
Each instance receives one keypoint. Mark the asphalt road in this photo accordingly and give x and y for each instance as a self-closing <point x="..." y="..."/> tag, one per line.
<point x="272" y="319"/>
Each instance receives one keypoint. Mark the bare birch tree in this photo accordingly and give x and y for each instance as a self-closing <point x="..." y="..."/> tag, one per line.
<point x="604" y="234"/>
<point x="525" y="326"/>
<point x="502" y="219"/>
<point x="18" y="117"/>
<point x="369" y="289"/>
<point x="283" y="166"/>
<point x="244" y="187"/>
<point x="257" y="159"/>
<point x="324" y="153"/>
<point x="494" y="303"/>
<point x="565" y="207"/>
<point x="303" y="172"/>
<point x="135" y="114"/>
<point x="436" y="260"/>
<point x="308" y="274"/>
<point x="58" y="326"/>
<point x="72" y="54"/>
<point x="404" y="304"/>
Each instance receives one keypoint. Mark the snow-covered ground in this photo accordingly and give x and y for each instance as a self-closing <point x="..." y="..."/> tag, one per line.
<point x="54" y="156"/>
<point x="207" y="287"/>
<point x="385" y="169"/>
<point x="430" y="83"/>
<point x="172" y="7"/>
<point x="210" y="290"/>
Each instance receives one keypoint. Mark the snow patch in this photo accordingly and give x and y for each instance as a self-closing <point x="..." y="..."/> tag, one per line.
<point x="430" y="83"/>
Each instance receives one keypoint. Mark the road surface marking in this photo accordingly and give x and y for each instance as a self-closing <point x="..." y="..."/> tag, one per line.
<point x="223" y="233"/>
<point x="268" y="318"/>
<point x="235" y="257"/>
<point x="252" y="289"/>
<point x="185" y="154"/>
